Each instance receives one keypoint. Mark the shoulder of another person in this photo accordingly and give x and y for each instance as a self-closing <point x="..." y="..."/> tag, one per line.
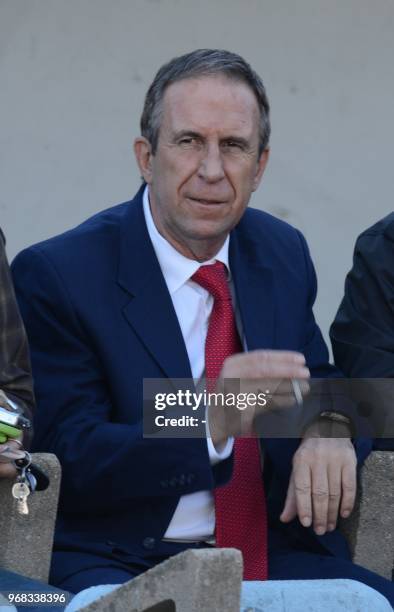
<point x="380" y="230"/>
<point x="389" y="230"/>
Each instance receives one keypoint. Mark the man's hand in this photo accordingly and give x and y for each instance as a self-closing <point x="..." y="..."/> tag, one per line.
<point x="257" y="371"/>
<point x="9" y="451"/>
<point x="322" y="483"/>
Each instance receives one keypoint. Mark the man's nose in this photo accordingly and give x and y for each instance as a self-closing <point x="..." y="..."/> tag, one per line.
<point x="211" y="165"/>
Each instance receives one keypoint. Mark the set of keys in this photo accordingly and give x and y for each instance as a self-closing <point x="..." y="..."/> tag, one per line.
<point x="26" y="483"/>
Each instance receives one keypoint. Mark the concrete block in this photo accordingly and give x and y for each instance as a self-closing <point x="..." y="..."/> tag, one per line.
<point x="207" y="580"/>
<point x="26" y="541"/>
<point x="370" y="529"/>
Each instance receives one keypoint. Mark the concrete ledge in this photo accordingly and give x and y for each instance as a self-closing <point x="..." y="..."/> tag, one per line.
<point x="370" y="529"/>
<point x="207" y="580"/>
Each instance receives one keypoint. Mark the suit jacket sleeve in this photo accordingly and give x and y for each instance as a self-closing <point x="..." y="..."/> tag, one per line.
<point x="314" y="347"/>
<point x="278" y="465"/>
<point x="106" y="464"/>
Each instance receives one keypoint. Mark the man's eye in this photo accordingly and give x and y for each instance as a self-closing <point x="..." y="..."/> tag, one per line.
<point x="232" y="144"/>
<point x="189" y="140"/>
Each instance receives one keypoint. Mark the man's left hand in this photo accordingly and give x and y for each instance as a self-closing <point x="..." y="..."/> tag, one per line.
<point x="322" y="483"/>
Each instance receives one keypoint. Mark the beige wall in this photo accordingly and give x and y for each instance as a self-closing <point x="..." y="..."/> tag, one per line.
<point x="73" y="74"/>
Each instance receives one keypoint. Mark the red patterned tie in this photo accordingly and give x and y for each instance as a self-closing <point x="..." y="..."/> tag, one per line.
<point x="240" y="509"/>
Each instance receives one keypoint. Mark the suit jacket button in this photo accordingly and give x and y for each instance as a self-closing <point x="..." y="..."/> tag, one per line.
<point x="149" y="543"/>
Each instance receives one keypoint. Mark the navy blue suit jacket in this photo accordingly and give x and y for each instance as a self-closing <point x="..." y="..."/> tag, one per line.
<point x="99" y="319"/>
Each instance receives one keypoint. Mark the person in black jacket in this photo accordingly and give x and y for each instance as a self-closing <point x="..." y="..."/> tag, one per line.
<point x="16" y="384"/>
<point x="362" y="334"/>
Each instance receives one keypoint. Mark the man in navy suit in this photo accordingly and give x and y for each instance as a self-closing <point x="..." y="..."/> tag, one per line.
<point x="113" y="302"/>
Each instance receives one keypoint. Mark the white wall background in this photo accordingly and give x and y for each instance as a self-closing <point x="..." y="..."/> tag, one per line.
<point x="73" y="74"/>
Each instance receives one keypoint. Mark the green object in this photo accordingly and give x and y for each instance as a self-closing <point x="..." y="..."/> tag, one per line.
<point x="3" y="438"/>
<point x="7" y="431"/>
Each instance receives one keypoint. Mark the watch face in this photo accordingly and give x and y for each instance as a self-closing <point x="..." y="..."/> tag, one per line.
<point x="8" y="418"/>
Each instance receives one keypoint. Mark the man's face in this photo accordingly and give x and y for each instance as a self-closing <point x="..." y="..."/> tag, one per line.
<point x="206" y="164"/>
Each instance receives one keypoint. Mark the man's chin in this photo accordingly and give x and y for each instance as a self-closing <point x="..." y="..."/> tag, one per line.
<point x="199" y="240"/>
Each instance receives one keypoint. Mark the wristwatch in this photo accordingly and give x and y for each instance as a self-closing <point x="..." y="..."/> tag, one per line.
<point x="335" y="416"/>
<point x="340" y="425"/>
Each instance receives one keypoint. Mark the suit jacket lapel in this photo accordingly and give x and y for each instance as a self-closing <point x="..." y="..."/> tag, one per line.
<point x="254" y="287"/>
<point x="149" y="310"/>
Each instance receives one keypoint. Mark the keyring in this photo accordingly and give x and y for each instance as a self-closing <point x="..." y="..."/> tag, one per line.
<point x="297" y="392"/>
<point x="24" y="463"/>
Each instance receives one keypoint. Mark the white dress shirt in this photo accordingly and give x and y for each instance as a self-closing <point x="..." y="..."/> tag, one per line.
<point x="194" y="517"/>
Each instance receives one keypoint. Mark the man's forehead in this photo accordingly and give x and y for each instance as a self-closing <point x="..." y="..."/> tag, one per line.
<point x="209" y="101"/>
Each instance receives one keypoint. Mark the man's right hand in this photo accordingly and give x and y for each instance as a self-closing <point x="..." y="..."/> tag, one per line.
<point x="9" y="452"/>
<point x="257" y="371"/>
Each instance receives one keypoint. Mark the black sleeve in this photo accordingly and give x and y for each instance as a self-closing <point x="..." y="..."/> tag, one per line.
<point x="15" y="371"/>
<point x="362" y="334"/>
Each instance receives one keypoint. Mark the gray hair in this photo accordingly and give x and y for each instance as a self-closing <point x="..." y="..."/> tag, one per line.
<point x="202" y="62"/>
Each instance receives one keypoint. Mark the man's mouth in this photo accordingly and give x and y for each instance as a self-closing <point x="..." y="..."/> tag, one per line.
<point x="206" y="201"/>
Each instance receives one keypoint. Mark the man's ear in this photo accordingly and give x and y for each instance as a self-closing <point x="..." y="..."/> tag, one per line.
<point x="261" y="165"/>
<point x="143" y="154"/>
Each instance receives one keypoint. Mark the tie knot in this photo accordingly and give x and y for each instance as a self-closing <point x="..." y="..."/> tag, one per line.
<point x="214" y="279"/>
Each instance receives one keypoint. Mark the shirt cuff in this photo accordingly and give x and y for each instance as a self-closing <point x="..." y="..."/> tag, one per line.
<point x="222" y="452"/>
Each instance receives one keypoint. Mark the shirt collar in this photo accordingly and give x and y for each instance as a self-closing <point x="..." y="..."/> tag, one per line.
<point x="177" y="269"/>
